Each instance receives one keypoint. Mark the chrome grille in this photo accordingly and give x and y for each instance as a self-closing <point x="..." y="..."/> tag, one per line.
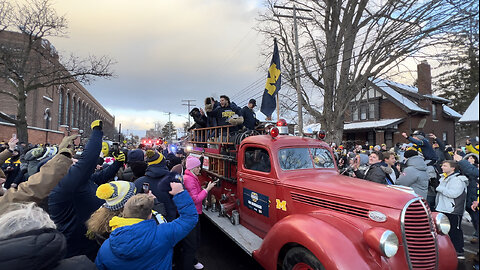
<point x="331" y="205"/>
<point x="419" y="235"/>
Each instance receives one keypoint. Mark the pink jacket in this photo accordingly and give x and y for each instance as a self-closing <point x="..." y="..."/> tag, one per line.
<point x="193" y="187"/>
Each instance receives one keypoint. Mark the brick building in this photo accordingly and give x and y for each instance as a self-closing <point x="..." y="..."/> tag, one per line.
<point x="385" y="109"/>
<point x="68" y="108"/>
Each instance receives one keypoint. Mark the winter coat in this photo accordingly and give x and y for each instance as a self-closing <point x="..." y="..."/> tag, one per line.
<point x="451" y="194"/>
<point x="375" y="173"/>
<point x="415" y="176"/>
<point x="39" y="249"/>
<point x="159" y="177"/>
<point x="126" y="174"/>
<point x="249" y="119"/>
<point x="11" y="167"/>
<point x="471" y="172"/>
<point x="40" y="184"/>
<point x="73" y="200"/>
<point x="4" y="155"/>
<point x="146" y="245"/>
<point x="192" y="185"/>
<point x="222" y="114"/>
<point x="441" y="153"/>
<point x="426" y="147"/>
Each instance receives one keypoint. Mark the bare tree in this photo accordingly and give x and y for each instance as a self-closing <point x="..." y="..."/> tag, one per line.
<point x="29" y="62"/>
<point x="351" y="42"/>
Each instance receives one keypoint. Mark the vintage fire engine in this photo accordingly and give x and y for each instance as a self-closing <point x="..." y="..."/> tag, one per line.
<point x="283" y="201"/>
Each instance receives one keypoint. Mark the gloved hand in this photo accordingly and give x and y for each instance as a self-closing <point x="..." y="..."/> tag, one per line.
<point x="97" y="124"/>
<point x="236" y="120"/>
<point x="120" y="157"/>
<point x="208" y="104"/>
<point x="67" y="142"/>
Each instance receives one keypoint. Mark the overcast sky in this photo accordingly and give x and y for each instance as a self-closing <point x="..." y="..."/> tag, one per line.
<point x="165" y="51"/>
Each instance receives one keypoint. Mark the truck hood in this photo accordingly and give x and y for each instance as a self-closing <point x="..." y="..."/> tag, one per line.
<point x="349" y="189"/>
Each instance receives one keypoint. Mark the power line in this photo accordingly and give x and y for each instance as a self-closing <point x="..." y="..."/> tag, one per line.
<point x="188" y="107"/>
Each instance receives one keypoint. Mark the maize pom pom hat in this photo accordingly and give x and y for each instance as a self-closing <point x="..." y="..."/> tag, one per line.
<point x="116" y="194"/>
<point x="153" y="157"/>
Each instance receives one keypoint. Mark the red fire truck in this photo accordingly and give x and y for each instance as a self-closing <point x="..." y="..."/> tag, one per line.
<point x="283" y="201"/>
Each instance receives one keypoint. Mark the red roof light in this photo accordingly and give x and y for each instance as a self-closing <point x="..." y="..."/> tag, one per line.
<point x="274" y="132"/>
<point x="321" y="135"/>
<point x="281" y="123"/>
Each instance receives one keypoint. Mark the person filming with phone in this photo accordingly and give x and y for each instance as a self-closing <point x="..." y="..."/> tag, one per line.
<point x="191" y="243"/>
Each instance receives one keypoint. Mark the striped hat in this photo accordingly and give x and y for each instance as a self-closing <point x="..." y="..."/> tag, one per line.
<point x="153" y="157"/>
<point x="116" y="194"/>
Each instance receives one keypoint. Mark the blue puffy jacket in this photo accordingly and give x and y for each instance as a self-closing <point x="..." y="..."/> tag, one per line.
<point x="73" y="200"/>
<point x="146" y="245"/>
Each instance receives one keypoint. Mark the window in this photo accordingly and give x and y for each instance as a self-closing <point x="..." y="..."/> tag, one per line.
<point x="355" y="114"/>
<point x="444" y="137"/>
<point x="434" y="111"/>
<point x="257" y="159"/>
<point x="363" y="112"/>
<point x="60" y="108"/>
<point x="305" y="158"/>
<point x="67" y="109"/>
<point x="371" y="111"/>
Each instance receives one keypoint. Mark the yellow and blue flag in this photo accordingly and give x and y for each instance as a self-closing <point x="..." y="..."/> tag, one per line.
<point x="273" y="84"/>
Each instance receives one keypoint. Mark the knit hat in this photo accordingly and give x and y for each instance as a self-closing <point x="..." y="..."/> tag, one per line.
<point x="135" y="155"/>
<point x="116" y="194"/>
<point x="192" y="162"/>
<point x="153" y="157"/>
<point x="410" y="153"/>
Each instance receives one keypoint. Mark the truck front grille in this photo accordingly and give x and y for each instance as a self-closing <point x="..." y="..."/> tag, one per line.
<point x="331" y="205"/>
<point x="419" y="236"/>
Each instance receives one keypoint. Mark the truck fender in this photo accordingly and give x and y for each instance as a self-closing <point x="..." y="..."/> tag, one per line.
<point x="329" y="245"/>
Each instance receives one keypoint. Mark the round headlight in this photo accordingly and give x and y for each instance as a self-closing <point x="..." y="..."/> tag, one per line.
<point x="389" y="243"/>
<point x="442" y="223"/>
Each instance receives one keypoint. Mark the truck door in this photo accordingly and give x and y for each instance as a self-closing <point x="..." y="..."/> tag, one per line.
<point x="256" y="189"/>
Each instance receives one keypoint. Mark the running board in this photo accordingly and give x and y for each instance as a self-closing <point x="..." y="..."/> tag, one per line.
<point x="243" y="237"/>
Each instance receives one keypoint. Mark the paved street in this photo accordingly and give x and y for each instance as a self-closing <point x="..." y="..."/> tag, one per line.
<point x="218" y="252"/>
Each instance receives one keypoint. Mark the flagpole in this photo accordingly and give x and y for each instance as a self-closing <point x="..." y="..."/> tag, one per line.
<point x="278" y="107"/>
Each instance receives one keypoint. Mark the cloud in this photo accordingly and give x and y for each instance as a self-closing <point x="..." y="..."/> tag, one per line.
<point x="165" y="50"/>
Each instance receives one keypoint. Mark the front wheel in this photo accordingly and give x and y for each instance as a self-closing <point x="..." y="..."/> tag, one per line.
<point x="299" y="258"/>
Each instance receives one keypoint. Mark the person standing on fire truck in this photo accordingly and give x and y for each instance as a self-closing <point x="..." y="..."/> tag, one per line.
<point x="249" y="119"/>
<point x="225" y="114"/>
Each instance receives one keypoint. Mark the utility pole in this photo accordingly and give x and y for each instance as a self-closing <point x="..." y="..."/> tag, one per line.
<point x="297" y="58"/>
<point x="169" y="126"/>
<point x="188" y="105"/>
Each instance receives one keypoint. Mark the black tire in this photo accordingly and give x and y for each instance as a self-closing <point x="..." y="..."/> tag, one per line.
<point x="298" y="257"/>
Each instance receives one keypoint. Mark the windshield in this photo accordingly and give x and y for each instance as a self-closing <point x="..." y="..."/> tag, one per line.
<point x="305" y="158"/>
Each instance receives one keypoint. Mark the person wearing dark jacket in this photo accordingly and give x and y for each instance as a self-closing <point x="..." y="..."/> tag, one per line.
<point x="210" y="105"/>
<point x="199" y="118"/>
<point x="73" y="200"/>
<point x="471" y="172"/>
<point x="30" y="241"/>
<point x="158" y="178"/>
<point x="415" y="174"/>
<point x="419" y="139"/>
<point x="225" y="114"/>
<point x="375" y="171"/>
<point x="439" y="148"/>
<point x="249" y="118"/>
<point x="11" y="167"/>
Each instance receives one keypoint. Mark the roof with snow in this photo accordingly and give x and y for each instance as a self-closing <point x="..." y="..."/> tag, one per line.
<point x="383" y="123"/>
<point x="386" y="87"/>
<point x="471" y="114"/>
<point x="450" y="112"/>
